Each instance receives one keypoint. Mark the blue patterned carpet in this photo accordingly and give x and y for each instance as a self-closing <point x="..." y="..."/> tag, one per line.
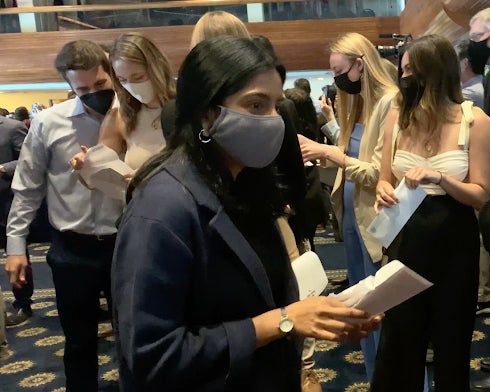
<point x="36" y="346"/>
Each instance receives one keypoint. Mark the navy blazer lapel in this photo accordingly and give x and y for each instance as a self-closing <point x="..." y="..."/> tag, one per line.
<point x="189" y="177"/>
<point x="237" y="242"/>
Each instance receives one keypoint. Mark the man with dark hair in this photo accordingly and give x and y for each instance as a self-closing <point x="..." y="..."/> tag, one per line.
<point x="22" y="114"/>
<point x="80" y="55"/>
<point x="471" y="70"/>
<point x="83" y="220"/>
<point x="303" y="84"/>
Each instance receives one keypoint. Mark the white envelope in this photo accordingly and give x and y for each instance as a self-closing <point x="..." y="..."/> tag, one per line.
<point x="310" y="275"/>
<point x="393" y="284"/>
<point x="389" y="222"/>
<point x="103" y="170"/>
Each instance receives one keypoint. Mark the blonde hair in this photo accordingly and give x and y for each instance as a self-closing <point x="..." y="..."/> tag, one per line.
<point x="215" y="24"/>
<point x="483" y="15"/>
<point x="375" y="82"/>
<point x="136" y="48"/>
<point x="392" y="69"/>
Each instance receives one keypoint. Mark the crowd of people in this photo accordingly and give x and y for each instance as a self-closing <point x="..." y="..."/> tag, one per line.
<point x="225" y="193"/>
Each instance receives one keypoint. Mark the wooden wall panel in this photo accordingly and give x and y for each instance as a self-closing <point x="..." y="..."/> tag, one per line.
<point x="449" y="18"/>
<point x="418" y="15"/>
<point x="29" y="57"/>
<point x="461" y="11"/>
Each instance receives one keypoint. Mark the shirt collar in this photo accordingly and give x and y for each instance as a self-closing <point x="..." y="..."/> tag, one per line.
<point x="78" y="108"/>
<point x="474" y="80"/>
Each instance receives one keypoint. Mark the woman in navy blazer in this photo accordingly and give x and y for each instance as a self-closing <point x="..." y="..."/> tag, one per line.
<point x="204" y="295"/>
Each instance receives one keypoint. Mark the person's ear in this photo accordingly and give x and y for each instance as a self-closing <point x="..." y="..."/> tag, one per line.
<point x="360" y="65"/>
<point x="209" y="117"/>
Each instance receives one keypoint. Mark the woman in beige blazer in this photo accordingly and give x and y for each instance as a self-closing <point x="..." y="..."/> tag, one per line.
<point x="366" y="91"/>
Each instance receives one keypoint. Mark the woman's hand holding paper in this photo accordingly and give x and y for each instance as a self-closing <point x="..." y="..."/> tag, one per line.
<point x="385" y="196"/>
<point x="327" y="318"/>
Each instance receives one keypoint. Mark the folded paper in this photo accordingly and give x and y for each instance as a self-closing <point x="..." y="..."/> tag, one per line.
<point x="103" y="170"/>
<point x="310" y="275"/>
<point x="389" y="222"/>
<point x="393" y="284"/>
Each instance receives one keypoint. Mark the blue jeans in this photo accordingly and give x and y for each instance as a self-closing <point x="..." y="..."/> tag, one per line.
<point x="359" y="266"/>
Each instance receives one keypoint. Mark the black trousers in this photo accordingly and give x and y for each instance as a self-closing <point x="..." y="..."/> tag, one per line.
<point x="441" y="243"/>
<point x="81" y="268"/>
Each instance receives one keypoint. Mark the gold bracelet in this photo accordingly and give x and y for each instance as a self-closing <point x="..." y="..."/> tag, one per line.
<point x="440" y="180"/>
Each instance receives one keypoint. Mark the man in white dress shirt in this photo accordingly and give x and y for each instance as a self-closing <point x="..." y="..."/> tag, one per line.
<point x="471" y="71"/>
<point x="83" y="220"/>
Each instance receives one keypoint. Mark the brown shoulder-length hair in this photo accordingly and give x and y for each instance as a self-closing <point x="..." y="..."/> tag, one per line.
<point x="136" y="48"/>
<point x="434" y="64"/>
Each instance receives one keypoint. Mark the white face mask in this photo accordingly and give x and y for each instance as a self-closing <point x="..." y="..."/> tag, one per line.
<point x="143" y="91"/>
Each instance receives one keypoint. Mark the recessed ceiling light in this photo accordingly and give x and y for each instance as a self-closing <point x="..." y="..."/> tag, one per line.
<point x="34" y="86"/>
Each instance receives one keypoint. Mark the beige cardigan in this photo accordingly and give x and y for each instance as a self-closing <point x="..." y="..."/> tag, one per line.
<point x="364" y="172"/>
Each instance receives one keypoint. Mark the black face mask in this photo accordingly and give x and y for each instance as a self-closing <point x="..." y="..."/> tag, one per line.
<point x="345" y="84"/>
<point x="479" y="50"/>
<point x="411" y="91"/>
<point x="100" y="101"/>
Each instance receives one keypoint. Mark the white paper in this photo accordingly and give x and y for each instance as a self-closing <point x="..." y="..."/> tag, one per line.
<point x="103" y="170"/>
<point x="389" y="222"/>
<point x="310" y="275"/>
<point x="393" y="284"/>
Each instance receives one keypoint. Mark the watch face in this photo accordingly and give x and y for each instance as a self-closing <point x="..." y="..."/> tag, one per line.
<point x="286" y="325"/>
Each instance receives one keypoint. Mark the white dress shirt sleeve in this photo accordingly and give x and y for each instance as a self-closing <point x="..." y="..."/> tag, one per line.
<point x="331" y="130"/>
<point x="29" y="187"/>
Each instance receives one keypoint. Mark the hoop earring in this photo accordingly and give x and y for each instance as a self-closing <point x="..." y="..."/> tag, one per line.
<point x="203" y="138"/>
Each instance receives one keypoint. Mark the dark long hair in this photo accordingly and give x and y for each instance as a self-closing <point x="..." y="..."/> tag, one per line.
<point x="214" y="69"/>
<point x="306" y="112"/>
<point x="434" y="64"/>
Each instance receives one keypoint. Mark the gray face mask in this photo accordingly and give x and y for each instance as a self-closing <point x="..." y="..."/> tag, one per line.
<point x="253" y="140"/>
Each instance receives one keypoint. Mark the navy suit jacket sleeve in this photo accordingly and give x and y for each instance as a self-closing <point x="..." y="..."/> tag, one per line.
<point x="156" y="254"/>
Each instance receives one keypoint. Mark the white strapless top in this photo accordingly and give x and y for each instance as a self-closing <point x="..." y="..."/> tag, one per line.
<point x="453" y="163"/>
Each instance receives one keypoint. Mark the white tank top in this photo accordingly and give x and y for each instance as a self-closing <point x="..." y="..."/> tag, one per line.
<point x="146" y="139"/>
<point x="453" y="163"/>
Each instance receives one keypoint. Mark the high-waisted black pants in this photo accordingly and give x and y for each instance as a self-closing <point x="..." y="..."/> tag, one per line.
<point x="441" y="243"/>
